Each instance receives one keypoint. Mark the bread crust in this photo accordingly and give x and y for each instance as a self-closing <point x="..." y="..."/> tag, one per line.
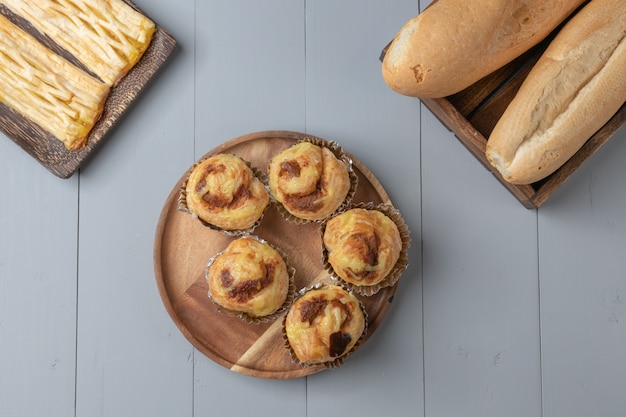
<point x="454" y="43"/>
<point x="577" y="85"/>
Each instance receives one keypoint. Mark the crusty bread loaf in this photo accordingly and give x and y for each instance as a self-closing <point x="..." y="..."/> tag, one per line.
<point x="577" y="85"/>
<point x="454" y="43"/>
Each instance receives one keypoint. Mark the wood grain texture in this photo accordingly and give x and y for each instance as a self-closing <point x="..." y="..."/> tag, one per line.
<point x="47" y="149"/>
<point x="481" y="344"/>
<point x="582" y="264"/>
<point x="38" y="278"/>
<point x="183" y="247"/>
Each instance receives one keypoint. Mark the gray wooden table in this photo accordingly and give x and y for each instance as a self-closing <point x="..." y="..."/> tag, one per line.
<point x="503" y="311"/>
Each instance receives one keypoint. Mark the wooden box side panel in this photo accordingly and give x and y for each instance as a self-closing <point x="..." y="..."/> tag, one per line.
<point x="476" y="143"/>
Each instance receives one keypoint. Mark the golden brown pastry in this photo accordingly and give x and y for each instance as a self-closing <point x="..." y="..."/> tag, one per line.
<point x="222" y="190"/>
<point x="324" y="324"/>
<point x="107" y="36"/>
<point x="309" y="181"/>
<point x="250" y="277"/>
<point x="363" y="245"/>
<point x="47" y="89"/>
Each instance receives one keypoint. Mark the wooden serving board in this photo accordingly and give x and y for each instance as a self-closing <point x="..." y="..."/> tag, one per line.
<point x="183" y="246"/>
<point x="473" y="113"/>
<point x="47" y="149"/>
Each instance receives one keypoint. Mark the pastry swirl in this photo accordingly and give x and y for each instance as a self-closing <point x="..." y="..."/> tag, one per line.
<point x="250" y="277"/>
<point x="223" y="191"/>
<point x="324" y="324"/>
<point x="363" y="245"/>
<point x="309" y="181"/>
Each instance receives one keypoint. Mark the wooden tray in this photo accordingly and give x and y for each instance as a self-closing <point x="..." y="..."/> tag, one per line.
<point x="183" y="246"/>
<point x="472" y="114"/>
<point x="48" y="150"/>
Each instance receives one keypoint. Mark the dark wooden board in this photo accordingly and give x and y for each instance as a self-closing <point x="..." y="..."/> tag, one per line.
<point x="47" y="149"/>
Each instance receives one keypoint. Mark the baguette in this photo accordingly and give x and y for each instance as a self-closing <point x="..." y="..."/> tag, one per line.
<point x="454" y="43"/>
<point x="577" y="85"/>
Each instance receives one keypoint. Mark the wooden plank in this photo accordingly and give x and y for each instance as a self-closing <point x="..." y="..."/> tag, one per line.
<point x="481" y="326"/>
<point x="348" y="100"/>
<point x="250" y="66"/>
<point x="582" y="236"/>
<point x="38" y="278"/>
<point x="481" y="305"/>
<point x="131" y="359"/>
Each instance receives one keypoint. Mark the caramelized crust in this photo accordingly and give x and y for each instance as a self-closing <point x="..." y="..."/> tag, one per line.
<point x="222" y="190"/>
<point x="107" y="36"/>
<point x="324" y="324"/>
<point x="309" y="181"/>
<point x="46" y="89"/>
<point x="363" y="245"/>
<point x="249" y="277"/>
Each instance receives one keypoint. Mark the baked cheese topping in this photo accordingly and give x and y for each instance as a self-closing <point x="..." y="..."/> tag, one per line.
<point x="107" y="36"/>
<point x="47" y="89"/>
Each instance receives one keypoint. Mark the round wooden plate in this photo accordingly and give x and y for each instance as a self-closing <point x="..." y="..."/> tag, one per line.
<point x="183" y="246"/>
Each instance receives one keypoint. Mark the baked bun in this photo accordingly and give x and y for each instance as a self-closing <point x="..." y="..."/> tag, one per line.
<point x="309" y="181"/>
<point x="362" y="245"/>
<point x="222" y="190"/>
<point x="324" y="324"/>
<point x="249" y="277"/>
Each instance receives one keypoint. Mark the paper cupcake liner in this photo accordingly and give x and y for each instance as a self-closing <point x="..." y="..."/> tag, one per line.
<point x="401" y="264"/>
<point x="291" y="292"/>
<point x="336" y="363"/>
<point x="182" y="202"/>
<point x="340" y="154"/>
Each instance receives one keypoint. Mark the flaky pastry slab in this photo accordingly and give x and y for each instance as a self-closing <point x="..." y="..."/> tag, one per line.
<point x="47" y="89"/>
<point x="107" y="36"/>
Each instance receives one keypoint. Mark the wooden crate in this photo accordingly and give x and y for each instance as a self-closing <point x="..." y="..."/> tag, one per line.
<point x="472" y="114"/>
